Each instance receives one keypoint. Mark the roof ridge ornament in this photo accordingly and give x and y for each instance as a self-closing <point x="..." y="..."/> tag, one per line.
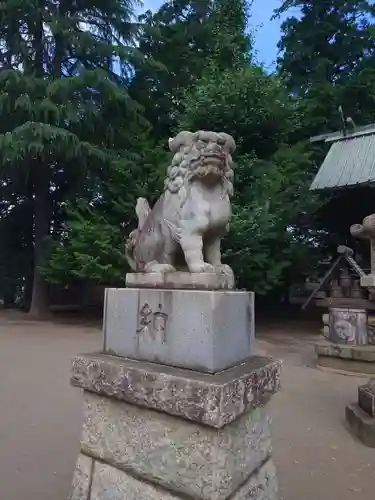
<point x="346" y="121"/>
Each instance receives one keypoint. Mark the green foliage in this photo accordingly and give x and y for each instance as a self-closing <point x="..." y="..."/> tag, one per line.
<point x="327" y="58"/>
<point x="247" y="103"/>
<point x="271" y="177"/>
<point x="92" y="243"/>
<point x="185" y="37"/>
<point x="85" y="118"/>
<point x="329" y="41"/>
<point x="64" y="111"/>
<point x="91" y="250"/>
<point x="231" y="44"/>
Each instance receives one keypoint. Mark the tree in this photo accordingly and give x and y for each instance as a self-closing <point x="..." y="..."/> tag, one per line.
<point x="92" y="244"/>
<point x="327" y="57"/>
<point x="185" y="36"/>
<point x="177" y="37"/>
<point x="16" y="226"/>
<point x="231" y="45"/>
<point x="272" y="176"/>
<point x="330" y="41"/>
<point x="65" y="110"/>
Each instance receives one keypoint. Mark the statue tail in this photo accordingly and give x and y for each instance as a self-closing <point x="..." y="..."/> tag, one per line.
<point x="143" y="210"/>
<point x="129" y="250"/>
<point x="130" y="260"/>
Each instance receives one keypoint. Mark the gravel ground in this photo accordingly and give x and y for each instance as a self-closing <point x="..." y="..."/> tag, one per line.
<point x="40" y="415"/>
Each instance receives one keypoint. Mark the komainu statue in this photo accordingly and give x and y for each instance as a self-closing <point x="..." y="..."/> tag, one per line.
<point x="183" y="230"/>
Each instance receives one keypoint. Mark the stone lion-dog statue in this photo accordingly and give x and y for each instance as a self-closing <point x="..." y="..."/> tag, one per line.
<point x="183" y="230"/>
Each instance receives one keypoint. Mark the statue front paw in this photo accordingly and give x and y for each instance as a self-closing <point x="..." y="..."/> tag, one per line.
<point x="224" y="269"/>
<point x="155" y="267"/>
<point x="226" y="274"/>
<point x="203" y="267"/>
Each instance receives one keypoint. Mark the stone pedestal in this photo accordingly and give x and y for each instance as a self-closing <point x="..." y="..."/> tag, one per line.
<point x="361" y="416"/>
<point x="157" y="432"/>
<point x="346" y="346"/>
<point x="347" y="358"/>
<point x="175" y="407"/>
<point x="201" y="330"/>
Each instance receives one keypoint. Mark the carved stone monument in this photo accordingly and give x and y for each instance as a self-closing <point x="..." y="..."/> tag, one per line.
<point x="349" y="342"/>
<point x="184" y="229"/>
<point x="175" y="405"/>
<point x="361" y="416"/>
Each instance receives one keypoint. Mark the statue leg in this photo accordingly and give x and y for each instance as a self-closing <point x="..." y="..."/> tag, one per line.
<point x="169" y="252"/>
<point x="213" y="252"/>
<point x="213" y="256"/>
<point x="165" y="248"/>
<point x="192" y="246"/>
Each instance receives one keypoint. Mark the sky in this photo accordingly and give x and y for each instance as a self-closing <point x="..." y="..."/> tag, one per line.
<point x="267" y="32"/>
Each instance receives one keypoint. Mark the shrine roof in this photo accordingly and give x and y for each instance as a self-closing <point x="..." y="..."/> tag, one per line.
<point x="350" y="160"/>
<point x="345" y="255"/>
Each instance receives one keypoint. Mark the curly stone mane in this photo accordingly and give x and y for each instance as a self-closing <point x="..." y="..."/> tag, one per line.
<point x="198" y="155"/>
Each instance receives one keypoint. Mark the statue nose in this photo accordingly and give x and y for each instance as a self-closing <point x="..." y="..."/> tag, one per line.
<point x="215" y="148"/>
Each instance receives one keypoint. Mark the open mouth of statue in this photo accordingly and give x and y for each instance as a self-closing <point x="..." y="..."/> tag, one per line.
<point x="210" y="174"/>
<point x="212" y="165"/>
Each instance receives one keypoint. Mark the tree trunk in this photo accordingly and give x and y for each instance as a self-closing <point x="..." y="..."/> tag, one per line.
<point x="28" y="291"/>
<point x="40" y="295"/>
<point x="42" y="209"/>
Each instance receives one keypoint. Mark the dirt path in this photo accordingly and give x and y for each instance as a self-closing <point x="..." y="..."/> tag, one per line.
<point x="40" y="417"/>
<point x="316" y="457"/>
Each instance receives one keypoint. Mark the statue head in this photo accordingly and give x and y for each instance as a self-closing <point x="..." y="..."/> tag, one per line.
<point x="203" y="156"/>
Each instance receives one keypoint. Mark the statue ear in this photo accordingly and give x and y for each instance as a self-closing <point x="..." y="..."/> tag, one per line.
<point x="142" y="210"/>
<point x="184" y="138"/>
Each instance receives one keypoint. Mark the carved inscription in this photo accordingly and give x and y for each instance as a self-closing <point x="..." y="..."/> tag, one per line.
<point x="152" y="324"/>
<point x="144" y="320"/>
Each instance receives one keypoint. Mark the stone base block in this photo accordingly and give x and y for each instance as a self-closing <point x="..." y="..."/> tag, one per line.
<point x="368" y="281"/>
<point x="157" y="432"/>
<point x="366" y="398"/>
<point x="186" y="458"/>
<point x="206" y="331"/>
<point x="213" y="400"/>
<point x="348" y="358"/>
<point x="182" y="280"/>
<point x="82" y="478"/>
<point x="110" y="483"/>
<point x="361" y="424"/>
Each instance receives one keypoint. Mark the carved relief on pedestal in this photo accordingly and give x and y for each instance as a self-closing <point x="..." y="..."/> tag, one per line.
<point x="348" y="326"/>
<point x="152" y="324"/>
<point x="347" y="301"/>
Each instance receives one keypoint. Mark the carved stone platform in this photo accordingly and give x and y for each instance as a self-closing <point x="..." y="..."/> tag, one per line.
<point x="200" y="330"/>
<point x="181" y="281"/>
<point x="214" y="400"/>
<point x="176" y="405"/>
<point x="162" y="433"/>
<point x="347" y="358"/>
<point x="361" y="416"/>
